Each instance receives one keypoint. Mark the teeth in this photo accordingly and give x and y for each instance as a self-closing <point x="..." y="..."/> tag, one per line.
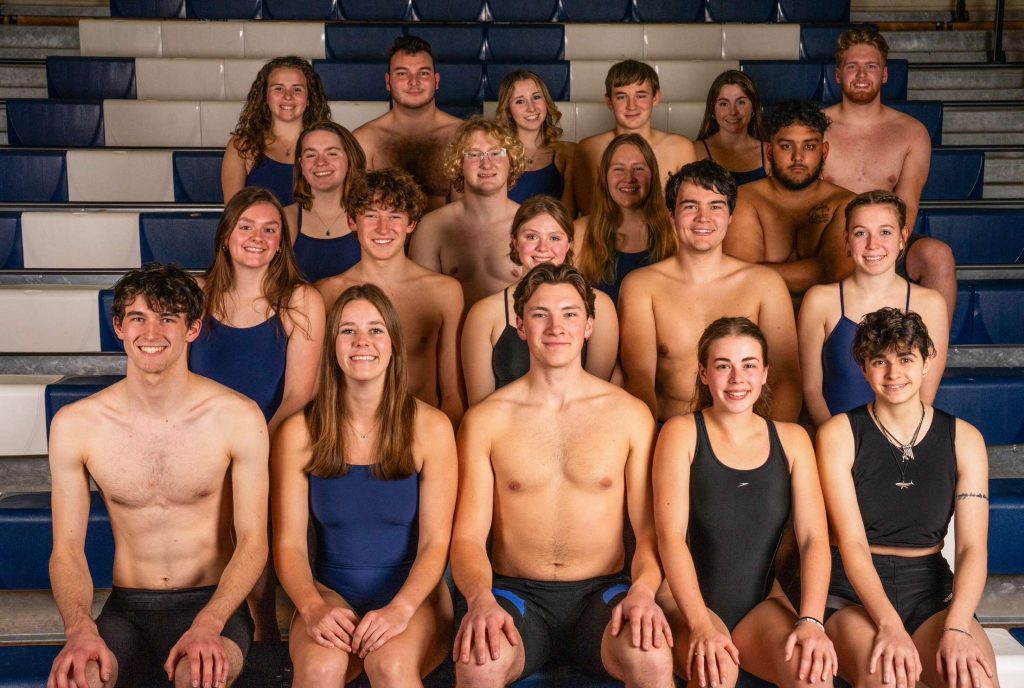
<point x="152" y="349"/>
<point x="363" y="358"/>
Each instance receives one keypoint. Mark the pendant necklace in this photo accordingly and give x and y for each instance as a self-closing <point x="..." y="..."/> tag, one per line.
<point x="906" y="450"/>
<point x="327" y="227"/>
<point x="359" y="434"/>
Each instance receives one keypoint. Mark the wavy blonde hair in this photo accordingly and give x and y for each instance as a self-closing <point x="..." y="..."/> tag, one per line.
<point x="551" y="132"/>
<point x="453" y="152"/>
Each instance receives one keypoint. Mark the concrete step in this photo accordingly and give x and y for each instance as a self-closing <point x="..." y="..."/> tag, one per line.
<point x="911" y="44"/>
<point x="65" y="364"/>
<point x="90" y="8"/>
<point x="1004" y="175"/>
<point x="976" y="356"/>
<point x="50" y="38"/>
<point x="978" y="125"/>
<point x="24" y="474"/>
<point x="948" y="83"/>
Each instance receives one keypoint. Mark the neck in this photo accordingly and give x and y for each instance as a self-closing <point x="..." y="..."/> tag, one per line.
<point x="644" y="130"/>
<point x="633" y="225"/>
<point x="413" y="115"/>
<point x="868" y="282"/>
<point x="809" y="191"/>
<point x="734" y="424"/>
<point x="248" y="282"/>
<point x="486" y="207"/>
<point x="287" y="131"/>
<point x="329" y="201"/>
<point x="383" y="270"/>
<point x="700" y="266"/>
<point x="554" y="386"/>
<point x="902" y="418"/>
<point x="731" y="140"/>
<point x="362" y="398"/>
<point x="158" y="394"/>
<point x="852" y="110"/>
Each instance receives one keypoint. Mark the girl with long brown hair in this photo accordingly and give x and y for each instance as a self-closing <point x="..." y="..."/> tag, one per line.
<point x="732" y="133"/>
<point x="375" y="470"/>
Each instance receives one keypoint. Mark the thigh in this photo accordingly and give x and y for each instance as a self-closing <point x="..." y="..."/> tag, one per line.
<point x="129" y="646"/>
<point x="425" y="641"/>
<point x="761" y="638"/>
<point x="681" y="633"/>
<point x="588" y="637"/>
<point x="927" y="637"/>
<point x="853" y="633"/>
<point x="315" y="664"/>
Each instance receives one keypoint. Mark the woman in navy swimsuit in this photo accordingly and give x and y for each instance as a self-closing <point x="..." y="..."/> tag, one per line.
<point x="375" y="471"/>
<point x="732" y="133"/>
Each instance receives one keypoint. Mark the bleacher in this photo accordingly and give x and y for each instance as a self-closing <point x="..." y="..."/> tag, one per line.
<point x="119" y="164"/>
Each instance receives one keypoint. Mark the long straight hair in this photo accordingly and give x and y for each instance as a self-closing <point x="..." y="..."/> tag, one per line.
<point x="709" y="126"/>
<point x="396" y="413"/>
<point x="598" y="254"/>
<point x="720" y="329"/>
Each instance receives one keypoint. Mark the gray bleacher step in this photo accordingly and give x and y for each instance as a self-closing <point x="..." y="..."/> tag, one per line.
<point x="989" y="272"/>
<point x="1004" y="174"/>
<point x="98" y="279"/>
<point x="980" y="125"/>
<point x="13" y="74"/>
<point x="959" y="357"/>
<point x="51" y="38"/>
<point x="949" y="46"/>
<point x="89" y="8"/>
<point x="966" y="83"/>
<point x="1006" y="461"/>
<point x="62" y="364"/>
<point x="24" y="474"/>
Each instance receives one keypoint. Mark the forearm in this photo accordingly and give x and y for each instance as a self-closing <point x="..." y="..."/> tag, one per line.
<point x="72" y="591"/>
<point x="471" y="569"/>
<point x="426" y="572"/>
<point x="646" y="569"/>
<point x="682" y="579"/>
<point x="292" y="402"/>
<point x="292" y="567"/>
<point x="800" y="275"/>
<point x="861" y="573"/>
<point x="968" y="585"/>
<point x="640" y="383"/>
<point x="816" y="406"/>
<point x="815" y="569"/>
<point x="239" y="577"/>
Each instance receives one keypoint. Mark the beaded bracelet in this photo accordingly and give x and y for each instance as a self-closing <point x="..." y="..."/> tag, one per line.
<point x="812" y="620"/>
<point x="957" y="630"/>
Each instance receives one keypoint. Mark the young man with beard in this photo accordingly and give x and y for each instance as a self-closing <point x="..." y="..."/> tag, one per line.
<point x="468" y="238"/>
<point x="412" y="136"/>
<point x="793" y="221"/>
<point x="876" y="147"/>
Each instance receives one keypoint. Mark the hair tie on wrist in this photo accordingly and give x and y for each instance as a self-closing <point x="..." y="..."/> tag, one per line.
<point x="811" y="619"/>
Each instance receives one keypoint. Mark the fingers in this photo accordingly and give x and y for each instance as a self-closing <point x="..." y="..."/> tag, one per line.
<point x="665" y="631"/>
<point x="172" y="659"/>
<point x="511" y="632"/>
<point x="106" y="660"/>
<point x="790" y="645"/>
<point x="78" y="669"/>
<point x="359" y="633"/>
<point x="616" y="620"/>
<point x="806" y="657"/>
<point x="698" y="662"/>
<point x="734" y="652"/>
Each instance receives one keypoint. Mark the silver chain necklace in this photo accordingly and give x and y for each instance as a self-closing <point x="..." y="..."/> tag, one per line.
<point x="906" y="450"/>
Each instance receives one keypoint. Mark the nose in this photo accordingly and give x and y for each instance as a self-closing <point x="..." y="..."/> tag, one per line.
<point x="485" y="160"/>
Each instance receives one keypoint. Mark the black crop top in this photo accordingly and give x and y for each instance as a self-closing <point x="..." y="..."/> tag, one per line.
<point x="914" y="516"/>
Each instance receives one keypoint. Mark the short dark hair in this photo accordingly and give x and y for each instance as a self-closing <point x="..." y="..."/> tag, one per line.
<point x="166" y="288"/>
<point x="549" y="273"/>
<point x="790" y="112"/>
<point x="707" y="174"/>
<point x="890" y="329"/>
<point x="395" y="188"/>
<point x="410" y="45"/>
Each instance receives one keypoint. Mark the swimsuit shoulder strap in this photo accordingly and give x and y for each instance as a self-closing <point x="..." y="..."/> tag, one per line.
<point x="906" y="308"/>
<point x="708" y="150"/>
<point x="842" y="305"/>
<point x="504" y="300"/>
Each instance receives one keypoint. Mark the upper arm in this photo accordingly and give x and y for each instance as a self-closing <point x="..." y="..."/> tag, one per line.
<point x="777" y="321"/>
<point x="914" y="173"/>
<point x="438" y="476"/>
<point x="475" y="503"/>
<point x="832" y="246"/>
<point x="935" y="314"/>
<point x="671" y="478"/>
<point x="835" y="453"/>
<point x="567" y="153"/>
<point x="448" y="342"/>
<point x="290" y="498"/>
<point x="425" y="248"/>
<point x="638" y="472"/>
<point x="584" y="172"/>
<point x="603" y="346"/>
<point x="232" y="171"/>
<point x="639" y="349"/>
<point x="364" y="135"/>
<point x="808" y="503"/>
<point x="970" y="512"/>
<point x="811" y="337"/>
<point x="249" y="448"/>
<point x="477" y="350"/>
<point x="745" y="236"/>
<point x="305" y="341"/>
<point x="69" y="480"/>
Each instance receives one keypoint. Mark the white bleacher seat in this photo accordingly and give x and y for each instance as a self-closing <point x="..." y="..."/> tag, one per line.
<point x="354" y="113"/>
<point x="100" y="239"/>
<point x="202" y="38"/>
<point x="604" y="42"/>
<point x="761" y="41"/>
<point x="23" y="408"/>
<point x="683" y="41"/>
<point x="160" y="123"/>
<point x="1009" y="657"/>
<point x="120" y="176"/>
<point x="51" y="319"/>
<point x="179" y="79"/>
<point x="218" y="119"/>
<point x="688" y="80"/>
<point x="239" y="75"/>
<point x="269" y="39"/>
<point x="684" y="118"/>
<point x="586" y="79"/>
<point x="120" y="37"/>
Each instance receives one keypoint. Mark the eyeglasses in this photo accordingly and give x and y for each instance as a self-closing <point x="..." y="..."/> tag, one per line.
<point x="475" y="156"/>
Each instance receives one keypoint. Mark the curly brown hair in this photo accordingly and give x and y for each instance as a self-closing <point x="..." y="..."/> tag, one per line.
<point x="391" y="188"/>
<point x="302" y="193"/>
<point x="256" y="124"/>
<point x="890" y="329"/>
<point x="453" y="152"/>
<point x="551" y="131"/>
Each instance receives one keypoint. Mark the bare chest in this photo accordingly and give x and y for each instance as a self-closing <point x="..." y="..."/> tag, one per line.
<point x="794" y="232"/>
<point x="865" y="159"/>
<point x="680" y="316"/>
<point x="420" y="315"/>
<point x="479" y="253"/>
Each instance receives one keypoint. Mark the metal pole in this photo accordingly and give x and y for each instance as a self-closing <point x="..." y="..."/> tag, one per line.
<point x="998" y="54"/>
<point x="960" y="13"/>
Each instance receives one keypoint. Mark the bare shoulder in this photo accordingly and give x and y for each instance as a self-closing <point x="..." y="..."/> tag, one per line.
<point x="758" y="276"/>
<point x="85" y="415"/>
<point x="223" y="401"/>
<point x="793" y="436"/>
<point x="819" y="296"/>
<point x="676" y="142"/>
<point x="446" y="124"/>
<point x="927" y="297"/>
<point x="565" y="149"/>
<point x="836" y="428"/>
<point x="439" y="287"/>
<point x="904" y="125"/>
<point x="626" y="407"/>
<point x="488" y="308"/>
<point x="595" y="144"/>
<point x="753" y="192"/>
<point x="330" y="288"/>
<point x="371" y="130"/>
<point x="967" y="435"/>
<point x="642" y="280"/>
<point x="438" y="219"/>
<point x="431" y="424"/>
<point x="833" y="194"/>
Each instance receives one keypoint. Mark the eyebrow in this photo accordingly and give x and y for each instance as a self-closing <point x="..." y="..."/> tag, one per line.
<point x="249" y="219"/>
<point x="742" y="360"/>
<point x="350" y="322"/>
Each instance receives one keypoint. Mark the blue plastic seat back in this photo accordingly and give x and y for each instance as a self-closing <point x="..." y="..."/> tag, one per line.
<point x="184" y="238"/>
<point x="669" y="10"/>
<point x="223" y="9"/>
<point x="33" y="176"/>
<point x="109" y="341"/>
<point x="927" y="112"/>
<point x="526" y="43"/>
<point x="86" y="78"/>
<point x="597" y="10"/>
<point x="64" y="124"/>
<point x="523" y="10"/>
<point x="379" y="10"/>
<point x="1006" y="526"/>
<point x="362" y="42"/>
<point x="987" y="398"/>
<point x="753" y="11"/>
<point x="353" y="80"/>
<point x="11" y="252"/>
<point x="72" y="388"/>
<point x="461" y="82"/>
<point x="962" y="328"/>
<point x="818" y="43"/>
<point x="779" y="80"/>
<point x="448" y="10"/>
<point x="452" y="43"/>
<point x="26" y="666"/>
<point x="983" y="236"/>
<point x="462" y="110"/>
<point x="148" y="9"/>
<point x="895" y="88"/>
<point x="555" y="76"/>
<point x="197" y="176"/>
<point x="999" y="312"/>
<point x="308" y="10"/>
<point x="955" y="175"/>
<point x="799" y="11"/>
<point x="26" y="539"/>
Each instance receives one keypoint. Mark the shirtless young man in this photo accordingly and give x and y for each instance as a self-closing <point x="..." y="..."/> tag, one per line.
<point x="876" y="147"/>
<point x="792" y="221"/>
<point x="385" y="206"/>
<point x="468" y="238"/>
<point x="181" y="462"/>
<point x="549" y="465"/>
<point x="413" y="134"/>
<point x="666" y="306"/>
<point x="631" y="91"/>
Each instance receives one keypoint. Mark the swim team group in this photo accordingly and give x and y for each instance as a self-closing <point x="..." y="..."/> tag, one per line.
<point x="572" y="373"/>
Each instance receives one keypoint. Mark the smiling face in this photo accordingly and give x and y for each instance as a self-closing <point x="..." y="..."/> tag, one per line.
<point x="874" y="238"/>
<point x="382" y="231"/>
<point x="527" y="106"/>
<point x="362" y="343"/>
<point x="555" y="325"/>
<point x="154" y="340"/>
<point x="733" y="109"/>
<point x="896" y="376"/>
<point x="629" y="177"/>
<point x="485" y="170"/>
<point x="735" y="372"/>
<point x="411" y="79"/>
<point x="541" y="240"/>
<point x="797" y="155"/>
<point x="323" y="160"/>
<point x="701" y="217"/>
<point x="862" y="73"/>
<point x="256" y="237"/>
<point x="287" y="94"/>
<point x="632" y="105"/>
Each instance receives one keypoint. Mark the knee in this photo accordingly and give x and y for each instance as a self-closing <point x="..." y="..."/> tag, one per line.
<point x="646" y="667"/>
<point x="390" y="669"/>
<point x="934" y="255"/>
<point x="321" y="671"/>
<point x="487" y="675"/>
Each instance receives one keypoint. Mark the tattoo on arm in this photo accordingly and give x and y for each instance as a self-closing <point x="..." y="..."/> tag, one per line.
<point x="967" y="495"/>
<point x="819" y="215"/>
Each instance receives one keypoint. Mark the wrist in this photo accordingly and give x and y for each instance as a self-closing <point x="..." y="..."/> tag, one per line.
<point x="207" y="621"/>
<point x="84" y="627"/>
<point x="956" y="630"/>
<point x="402" y="607"/>
<point x="810" y="621"/>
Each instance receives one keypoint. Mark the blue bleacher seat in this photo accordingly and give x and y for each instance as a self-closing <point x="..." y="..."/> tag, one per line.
<point x="669" y="10"/>
<point x="353" y="80"/>
<point x="448" y="10"/>
<point x="927" y="112"/>
<point x="955" y="175"/>
<point x="462" y="110"/>
<point x="982" y="236"/>
<point x="43" y="122"/>
<point x="307" y="10"/>
<point x="361" y="42"/>
<point x="554" y="74"/>
<point x="452" y="43"/>
<point x="33" y="176"/>
<point x="596" y="10"/>
<point x="818" y="43"/>
<point x="109" y="341"/>
<point x="997" y="310"/>
<point x="461" y="82"/>
<point x="754" y="11"/>
<point x="26" y="538"/>
<point x="223" y="9"/>
<point x="523" y="10"/>
<point x="798" y="11"/>
<point x="90" y="77"/>
<point x="184" y="238"/>
<point x="197" y="176"/>
<point x="148" y="9"/>
<point x="1006" y="526"/>
<point x="11" y="255"/>
<point x="895" y="88"/>
<point x="380" y="10"/>
<point x="72" y="388"/>
<point x="963" y="317"/>
<point x="1018" y="634"/>
<point x="26" y="666"/>
<point x="779" y="80"/>
<point x="526" y="43"/>
<point x="988" y="398"/>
